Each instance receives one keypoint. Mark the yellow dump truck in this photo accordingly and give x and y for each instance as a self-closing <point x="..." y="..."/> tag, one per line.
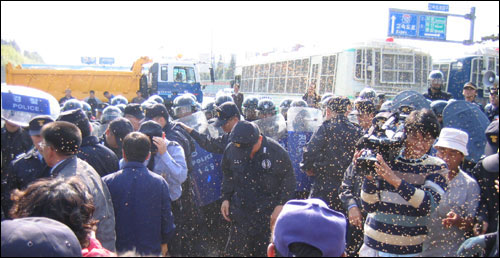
<point x="56" y="81"/>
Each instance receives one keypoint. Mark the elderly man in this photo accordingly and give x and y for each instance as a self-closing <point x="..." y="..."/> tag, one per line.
<point x="60" y="144"/>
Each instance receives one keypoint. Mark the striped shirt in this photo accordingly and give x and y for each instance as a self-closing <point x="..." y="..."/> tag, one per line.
<point x="398" y="218"/>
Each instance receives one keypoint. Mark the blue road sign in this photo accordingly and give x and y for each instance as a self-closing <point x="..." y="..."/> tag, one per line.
<point x="439" y="7"/>
<point x="106" y="60"/>
<point x="417" y="25"/>
<point x="403" y="24"/>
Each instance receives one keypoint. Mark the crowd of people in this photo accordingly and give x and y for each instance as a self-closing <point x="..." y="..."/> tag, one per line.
<point x="146" y="178"/>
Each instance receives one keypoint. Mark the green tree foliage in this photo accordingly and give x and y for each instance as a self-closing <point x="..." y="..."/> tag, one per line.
<point x="231" y="69"/>
<point x="9" y="54"/>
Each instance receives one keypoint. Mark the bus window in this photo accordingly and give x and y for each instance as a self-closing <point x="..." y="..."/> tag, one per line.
<point x="179" y="74"/>
<point x="191" y="78"/>
<point x="163" y="73"/>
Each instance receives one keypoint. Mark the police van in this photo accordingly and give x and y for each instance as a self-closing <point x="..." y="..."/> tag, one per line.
<point x="170" y="79"/>
<point x="472" y="68"/>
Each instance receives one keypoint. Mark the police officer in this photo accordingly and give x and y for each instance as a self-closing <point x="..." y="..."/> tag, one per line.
<point x="227" y="117"/>
<point x="28" y="166"/>
<point x="209" y="110"/>
<point x="184" y="105"/>
<point x="258" y="181"/>
<point x="133" y="112"/>
<point x="221" y="99"/>
<point x="187" y="239"/>
<point x="249" y="108"/>
<point x="470" y="93"/>
<point x="100" y="157"/>
<point x="434" y="92"/>
<point x="15" y="140"/>
<point x="284" y="106"/>
<point x="491" y="109"/>
<point x="330" y="151"/>
<point x="109" y="114"/>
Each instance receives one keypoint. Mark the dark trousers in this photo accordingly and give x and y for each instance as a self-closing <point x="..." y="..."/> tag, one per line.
<point x="190" y="231"/>
<point x="217" y="228"/>
<point x="354" y="241"/>
<point x="244" y="241"/>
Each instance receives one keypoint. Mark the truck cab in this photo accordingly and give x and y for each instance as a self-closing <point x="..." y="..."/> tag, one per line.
<point x="170" y="79"/>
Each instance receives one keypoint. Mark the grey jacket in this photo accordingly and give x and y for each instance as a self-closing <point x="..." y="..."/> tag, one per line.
<point x="104" y="211"/>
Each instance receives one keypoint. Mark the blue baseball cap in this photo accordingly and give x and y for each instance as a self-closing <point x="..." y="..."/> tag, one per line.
<point x="311" y="222"/>
<point x="38" y="237"/>
<point x="225" y="112"/>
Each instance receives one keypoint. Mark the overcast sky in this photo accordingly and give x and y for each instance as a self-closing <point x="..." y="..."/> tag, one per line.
<point x="62" y="32"/>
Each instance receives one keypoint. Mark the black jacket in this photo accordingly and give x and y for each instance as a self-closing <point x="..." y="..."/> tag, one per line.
<point x="441" y="95"/>
<point x="330" y="151"/>
<point x="256" y="186"/>
<point x="25" y="169"/>
<point x="100" y="157"/>
<point x="14" y="144"/>
<point x="214" y="145"/>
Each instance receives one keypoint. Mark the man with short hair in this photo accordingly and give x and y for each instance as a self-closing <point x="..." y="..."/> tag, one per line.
<point x="139" y="99"/>
<point x="404" y="193"/>
<point x="258" y="179"/>
<point x="60" y="144"/>
<point x="93" y="101"/>
<point x="308" y="228"/>
<point x="365" y="112"/>
<point x="470" y="93"/>
<point x="100" y="157"/>
<point x="238" y="96"/>
<point x="144" y="221"/>
<point x="109" y="96"/>
<point x="66" y="97"/>
<point x="115" y="133"/>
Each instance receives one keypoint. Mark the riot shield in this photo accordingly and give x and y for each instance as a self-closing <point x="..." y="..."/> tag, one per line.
<point x="273" y="127"/>
<point x="207" y="172"/>
<point x="410" y="98"/>
<point x="302" y="123"/>
<point x="469" y="118"/>
<point x="21" y="104"/>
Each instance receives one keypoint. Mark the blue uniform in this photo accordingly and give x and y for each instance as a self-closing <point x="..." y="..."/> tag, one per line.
<point x="14" y="144"/>
<point x="141" y="201"/>
<point x="100" y="157"/>
<point x="328" y="154"/>
<point x="254" y="187"/>
<point x="25" y="169"/>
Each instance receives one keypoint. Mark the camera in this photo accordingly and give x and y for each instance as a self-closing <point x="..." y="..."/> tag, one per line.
<point x="384" y="137"/>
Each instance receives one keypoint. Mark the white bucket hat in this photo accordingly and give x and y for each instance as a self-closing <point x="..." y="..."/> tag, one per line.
<point x="452" y="138"/>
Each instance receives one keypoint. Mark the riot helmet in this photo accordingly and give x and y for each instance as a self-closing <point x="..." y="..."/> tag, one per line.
<point x="221" y="99"/>
<point x="436" y="74"/>
<point x="87" y="109"/>
<point x="436" y="79"/>
<point x="299" y="103"/>
<point x="369" y="94"/>
<point x="71" y="104"/>
<point x="284" y="106"/>
<point x="147" y="103"/>
<point x="119" y="100"/>
<point x="156" y="98"/>
<point x="265" y="108"/>
<point x="209" y="110"/>
<point x="121" y="107"/>
<point x="249" y="108"/>
<point x="386" y="106"/>
<point x="110" y="113"/>
<point x="184" y="105"/>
